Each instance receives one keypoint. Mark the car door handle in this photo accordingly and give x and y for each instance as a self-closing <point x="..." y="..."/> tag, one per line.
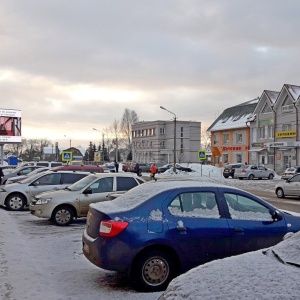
<point x="237" y="229"/>
<point x="180" y="228"/>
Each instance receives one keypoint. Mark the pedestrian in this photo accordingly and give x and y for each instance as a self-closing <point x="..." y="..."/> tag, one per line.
<point x="1" y="175"/>
<point x="137" y="169"/>
<point x="117" y="166"/>
<point x="153" y="171"/>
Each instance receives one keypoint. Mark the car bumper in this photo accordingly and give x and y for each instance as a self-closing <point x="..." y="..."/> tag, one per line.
<point x="41" y="211"/>
<point x="2" y="198"/>
<point x="241" y="175"/>
<point x="109" y="257"/>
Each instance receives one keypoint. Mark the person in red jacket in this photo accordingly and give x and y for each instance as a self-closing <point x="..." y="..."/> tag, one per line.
<point x="153" y="171"/>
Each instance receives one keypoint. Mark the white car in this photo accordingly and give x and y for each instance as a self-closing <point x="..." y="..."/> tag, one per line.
<point x="253" y="172"/>
<point x="16" y="196"/>
<point x="73" y="202"/>
<point x="289" y="187"/>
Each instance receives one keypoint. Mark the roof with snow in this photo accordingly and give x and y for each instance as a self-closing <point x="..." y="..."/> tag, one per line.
<point x="294" y="90"/>
<point x="272" y="95"/>
<point x="235" y="116"/>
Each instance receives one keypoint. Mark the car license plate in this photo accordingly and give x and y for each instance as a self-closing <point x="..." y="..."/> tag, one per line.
<point x="86" y="249"/>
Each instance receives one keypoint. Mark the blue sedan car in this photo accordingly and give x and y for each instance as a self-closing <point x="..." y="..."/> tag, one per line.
<point x="161" y="229"/>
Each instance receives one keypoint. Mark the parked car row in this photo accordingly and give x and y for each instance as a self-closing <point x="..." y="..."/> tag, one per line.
<point x="152" y="231"/>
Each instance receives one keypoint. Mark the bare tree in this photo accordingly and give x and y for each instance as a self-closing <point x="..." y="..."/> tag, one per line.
<point x="205" y="138"/>
<point x="129" y="118"/>
<point x="116" y="129"/>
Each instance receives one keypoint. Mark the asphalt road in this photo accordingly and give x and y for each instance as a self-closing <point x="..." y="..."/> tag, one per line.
<point x="290" y="203"/>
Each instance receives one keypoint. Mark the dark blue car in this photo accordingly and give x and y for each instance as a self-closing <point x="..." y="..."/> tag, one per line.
<point x="161" y="229"/>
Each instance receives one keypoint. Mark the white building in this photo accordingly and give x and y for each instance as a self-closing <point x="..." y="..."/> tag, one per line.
<point x="153" y="141"/>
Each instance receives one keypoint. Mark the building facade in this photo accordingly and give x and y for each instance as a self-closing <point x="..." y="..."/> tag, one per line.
<point x="230" y="134"/>
<point x="153" y="141"/>
<point x="275" y="129"/>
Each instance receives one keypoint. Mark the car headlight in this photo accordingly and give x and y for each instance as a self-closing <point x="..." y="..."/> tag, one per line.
<point x="43" y="201"/>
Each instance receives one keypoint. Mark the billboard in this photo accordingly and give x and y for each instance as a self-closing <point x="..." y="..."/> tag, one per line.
<point x="10" y="126"/>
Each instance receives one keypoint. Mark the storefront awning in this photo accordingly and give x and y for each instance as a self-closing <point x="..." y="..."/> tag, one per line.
<point x="256" y="150"/>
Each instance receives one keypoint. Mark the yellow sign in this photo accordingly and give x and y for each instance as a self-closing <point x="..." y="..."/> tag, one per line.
<point x="286" y="134"/>
<point x="97" y="156"/>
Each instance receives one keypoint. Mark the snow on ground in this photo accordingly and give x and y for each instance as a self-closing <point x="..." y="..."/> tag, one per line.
<point x="43" y="261"/>
<point x="250" y="276"/>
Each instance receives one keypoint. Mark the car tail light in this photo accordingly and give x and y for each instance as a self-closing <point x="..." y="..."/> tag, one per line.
<point x="111" y="228"/>
<point x="243" y="171"/>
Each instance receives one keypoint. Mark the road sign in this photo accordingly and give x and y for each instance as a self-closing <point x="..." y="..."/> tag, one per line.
<point x="97" y="156"/>
<point x="66" y="156"/>
<point x="201" y="154"/>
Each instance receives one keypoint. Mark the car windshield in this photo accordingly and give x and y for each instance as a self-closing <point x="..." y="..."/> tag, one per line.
<point x="82" y="183"/>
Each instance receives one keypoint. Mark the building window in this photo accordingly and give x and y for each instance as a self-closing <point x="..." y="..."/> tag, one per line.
<point x="161" y="130"/>
<point x="261" y="132"/>
<point x="286" y="127"/>
<point x="225" y="138"/>
<point x="287" y="105"/>
<point x="216" y="139"/>
<point x="225" y="158"/>
<point x="270" y="132"/>
<point x="181" y="133"/>
<point x="239" y="138"/>
<point x="239" y="158"/>
<point x="162" y="144"/>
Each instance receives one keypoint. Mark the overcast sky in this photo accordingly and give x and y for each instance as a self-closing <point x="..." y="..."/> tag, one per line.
<point x="71" y="66"/>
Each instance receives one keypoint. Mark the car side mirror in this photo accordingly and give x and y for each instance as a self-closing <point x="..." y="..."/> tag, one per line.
<point x="88" y="191"/>
<point x="36" y="183"/>
<point x="276" y="216"/>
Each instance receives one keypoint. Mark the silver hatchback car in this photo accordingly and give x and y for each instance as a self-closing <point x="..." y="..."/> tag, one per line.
<point x="254" y="171"/>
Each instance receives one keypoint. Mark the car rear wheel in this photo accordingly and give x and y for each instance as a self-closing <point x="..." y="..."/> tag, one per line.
<point x="15" y="202"/>
<point x="280" y="193"/>
<point x="62" y="216"/>
<point x="241" y="178"/>
<point x="251" y="177"/>
<point x="153" y="271"/>
<point x="271" y="176"/>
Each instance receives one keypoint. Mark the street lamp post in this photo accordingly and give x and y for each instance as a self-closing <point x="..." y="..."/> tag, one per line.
<point x="69" y="139"/>
<point x="102" y="143"/>
<point x="174" y="167"/>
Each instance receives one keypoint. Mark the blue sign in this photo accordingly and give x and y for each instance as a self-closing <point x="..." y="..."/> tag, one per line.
<point x="66" y="156"/>
<point x="201" y="154"/>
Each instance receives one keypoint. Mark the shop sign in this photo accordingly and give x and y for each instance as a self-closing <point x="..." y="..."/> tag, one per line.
<point x="286" y="134"/>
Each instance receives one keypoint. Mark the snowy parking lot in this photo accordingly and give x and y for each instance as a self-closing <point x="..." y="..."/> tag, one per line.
<point x="43" y="261"/>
